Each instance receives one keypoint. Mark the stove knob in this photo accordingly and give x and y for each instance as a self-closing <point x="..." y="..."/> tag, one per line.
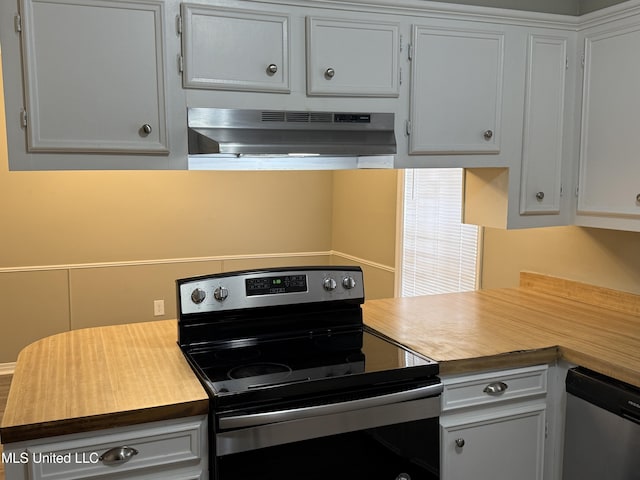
<point x="329" y="284"/>
<point x="348" y="283"/>
<point x="198" y="295"/>
<point x="221" y="293"/>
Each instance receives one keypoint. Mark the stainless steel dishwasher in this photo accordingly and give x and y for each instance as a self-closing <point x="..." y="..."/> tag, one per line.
<point x="602" y="432"/>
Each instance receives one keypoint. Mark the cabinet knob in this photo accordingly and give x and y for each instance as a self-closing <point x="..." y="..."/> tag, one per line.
<point x="540" y="196"/>
<point x="488" y="134"/>
<point x="495" y="388"/>
<point x="329" y="73"/>
<point x="118" y="455"/>
<point x="638" y="198"/>
<point x="272" y="69"/>
<point x="146" y="129"/>
<point x="460" y="442"/>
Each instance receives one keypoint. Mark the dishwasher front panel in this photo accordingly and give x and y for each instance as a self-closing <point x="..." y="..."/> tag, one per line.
<point x="600" y="444"/>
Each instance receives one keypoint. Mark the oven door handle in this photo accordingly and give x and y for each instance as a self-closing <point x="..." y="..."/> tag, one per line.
<point x="264" y="418"/>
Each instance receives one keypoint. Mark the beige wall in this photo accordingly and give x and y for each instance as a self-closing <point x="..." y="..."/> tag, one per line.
<point x="53" y="218"/>
<point x="364" y="225"/>
<point x="601" y="257"/>
<point x="364" y="214"/>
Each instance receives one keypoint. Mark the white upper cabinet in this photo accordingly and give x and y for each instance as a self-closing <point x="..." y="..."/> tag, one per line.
<point x="543" y="125"/>
<point x="94" y="76"/>
<point x="231" y="49"/>
<point x="609" y="182"/>
<point x="352" y="58"/>
<point x="456" y="90"/>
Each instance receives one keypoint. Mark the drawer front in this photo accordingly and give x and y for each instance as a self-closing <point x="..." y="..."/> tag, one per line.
<point x="494" y="387"/>
<point x="173" y="446"/>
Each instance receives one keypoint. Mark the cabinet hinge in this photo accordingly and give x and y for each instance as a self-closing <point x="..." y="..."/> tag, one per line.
<point x="179" y="24"/>
<point x="408" y="127"/>
<point x="17" y="23"/>
<point x="410" y="51"/>
<point x="546" y="430"/>
<point x="180" y="64"/>
<point x="582" y="59"/>
<point x="566" y="63"/>
<point x="561" y="189"/>
<point x="401" y="46"/>
<point x="400" y="76"/>
<point x="23" y="118"/>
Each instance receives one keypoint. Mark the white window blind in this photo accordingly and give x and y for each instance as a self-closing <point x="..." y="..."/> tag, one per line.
<point x="439" y="252"/>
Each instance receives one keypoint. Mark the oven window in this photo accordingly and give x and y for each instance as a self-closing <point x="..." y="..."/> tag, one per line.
<point x="385" y="453"/>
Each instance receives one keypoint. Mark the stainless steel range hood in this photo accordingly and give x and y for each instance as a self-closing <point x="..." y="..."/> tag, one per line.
<point x="230" y="139"/>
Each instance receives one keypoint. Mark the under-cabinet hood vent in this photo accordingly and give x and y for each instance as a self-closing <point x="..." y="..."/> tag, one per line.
<point x="232" y="139"/>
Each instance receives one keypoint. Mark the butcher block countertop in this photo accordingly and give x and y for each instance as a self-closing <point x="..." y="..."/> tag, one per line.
<point x="97" y="378"/>
<point x="543" y="320"/>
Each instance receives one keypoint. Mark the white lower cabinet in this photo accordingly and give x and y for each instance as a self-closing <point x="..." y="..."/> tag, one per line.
<point x="493" y="425"/>
<point x="167" y="450"/>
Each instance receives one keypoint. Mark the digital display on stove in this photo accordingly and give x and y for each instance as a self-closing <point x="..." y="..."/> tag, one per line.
<point x="276" y="285"/>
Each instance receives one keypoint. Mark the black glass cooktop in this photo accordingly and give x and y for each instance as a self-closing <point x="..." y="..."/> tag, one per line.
<point x="307" y="365"/>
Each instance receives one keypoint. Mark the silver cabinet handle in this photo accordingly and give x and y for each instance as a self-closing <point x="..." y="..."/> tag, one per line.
<point x="146" y="129"/>
<point x="495" y="388"/>
<point x="488" y="134"/>
<point x="272" y="69"/>
<point x="460" y="442"/>
<point x="540" y="196"/>
<point x="118" y="455"/>
<point x="329" y="73"/>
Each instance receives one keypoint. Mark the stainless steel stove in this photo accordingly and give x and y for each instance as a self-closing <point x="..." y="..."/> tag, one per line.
<point x="290" y="366"/>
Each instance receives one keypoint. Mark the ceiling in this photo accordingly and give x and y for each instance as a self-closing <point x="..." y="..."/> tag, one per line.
<point x="563" y="7"/>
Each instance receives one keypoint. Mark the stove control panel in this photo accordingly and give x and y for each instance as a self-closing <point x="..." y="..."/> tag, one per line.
<point x="269" y="287"/>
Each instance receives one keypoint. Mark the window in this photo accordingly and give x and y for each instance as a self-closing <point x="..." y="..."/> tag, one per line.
<point x="439" y="254"/>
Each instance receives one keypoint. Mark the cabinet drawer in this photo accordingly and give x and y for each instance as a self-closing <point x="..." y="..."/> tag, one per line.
<point x="177" y="448"/>
<point x="493" y="387"/>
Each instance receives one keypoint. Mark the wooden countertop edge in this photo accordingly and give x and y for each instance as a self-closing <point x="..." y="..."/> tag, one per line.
<point x="611" y="369"/>
<point x="20" y="433"/>
<point x="520" y="358"/>
<point x="527" y="358"/>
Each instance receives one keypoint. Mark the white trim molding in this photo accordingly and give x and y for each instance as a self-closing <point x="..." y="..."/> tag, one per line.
<point x="162" y="261"/>
<point x="363" y="261"/>
<point x="7" y="368"/>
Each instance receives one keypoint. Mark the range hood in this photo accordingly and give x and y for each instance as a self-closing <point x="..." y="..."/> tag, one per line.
<point x="233" y="139"/>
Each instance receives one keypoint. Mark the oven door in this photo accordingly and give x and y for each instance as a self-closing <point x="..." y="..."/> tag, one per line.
<point x="386" y="437"/>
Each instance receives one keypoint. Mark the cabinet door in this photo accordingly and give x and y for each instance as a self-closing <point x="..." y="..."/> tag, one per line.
<point x="609" y="167"/>
<point x="504" y="446"/>
<point x="456" y="91"/>
<point x="94" y="76"/>
<point x="235" y="49"/>
<point x="540" y="186"/>
<point x="352" y="58"/>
